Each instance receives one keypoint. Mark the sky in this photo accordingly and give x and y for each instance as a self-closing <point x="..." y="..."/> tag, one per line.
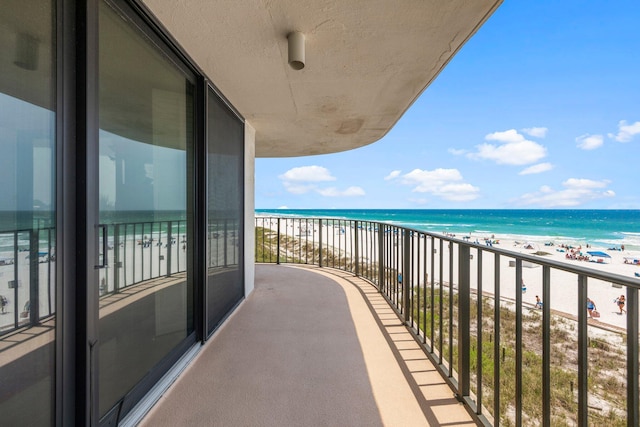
<point x="539" y="110"/>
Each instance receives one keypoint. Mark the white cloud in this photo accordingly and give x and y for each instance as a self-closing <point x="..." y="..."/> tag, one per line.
<point x="444" y="183"/>
<point x="456" y="152"/>
<point x="577" y="191"/>
<point x="536" y="132"/>
<point x="584" y="183"/>
<point x="590" y="142"/>
<point x="392" y="175"/>
<point x="514" y="149"/>
<point x="333" y="192"/>
<point x="283" y="207"/>
<point x="539" y="168"/>
<point x="307" y="174"/>
<point x="294" y="188"/>
<point x="304" y="179"/>
<point x="507" y="136"/>
<point x="626" y="132"/>
<point x="462" y="192"/>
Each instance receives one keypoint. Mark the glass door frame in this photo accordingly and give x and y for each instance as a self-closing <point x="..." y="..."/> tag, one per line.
<point x="138" y="16"/>
<point x="77" y="149"/>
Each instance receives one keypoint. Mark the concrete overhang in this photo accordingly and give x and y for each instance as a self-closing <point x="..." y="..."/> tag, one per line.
<point x="367" y="61"/>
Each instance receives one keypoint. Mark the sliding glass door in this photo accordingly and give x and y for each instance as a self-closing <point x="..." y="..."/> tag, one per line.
<point x="146" y="142"/>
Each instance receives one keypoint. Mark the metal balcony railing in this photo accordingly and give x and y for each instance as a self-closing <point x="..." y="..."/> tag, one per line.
<point x="511" y="361"/>
<point x="136" y="252"/>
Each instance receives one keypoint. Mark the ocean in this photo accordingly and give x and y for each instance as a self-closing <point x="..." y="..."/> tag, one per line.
<point x="599" y="228"/>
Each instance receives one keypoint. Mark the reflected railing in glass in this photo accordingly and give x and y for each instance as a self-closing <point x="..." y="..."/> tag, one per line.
<point x="27" y="277"/>
<point x="136" y="252"/>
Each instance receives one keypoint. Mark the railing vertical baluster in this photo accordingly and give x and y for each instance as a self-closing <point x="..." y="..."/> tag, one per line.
<point x="116" y="257"/>
<point x="356" y="255"/>
<point x="450" y="309"/>
<point x="496" y="345"/>
<point x="433" y="293"/>
<point x="340" y="227"/>
<point x="278" y="243"/>
<point x="518" y="289"/>
<point x="306" y="241"/>
<point x="464" y="319"/>
<point x="399" y="265"/>
<point x="49" y="272"/>
<point x="124" y="255"/>
<point x="406" y="276"/>
<point x="479" y="328"/>
<point x="415" y="307"/>
<point x="133" y="261"/>
<point x="632" y="357"/>
<point x="441" y="325"/>
<point x="34" y="277"/>
<point x="583" y="375"/>
<point x="546" y="346"/>
<point x="16" y="281"/>
<point x="333" y="242"/>
<point x="170" y="246"/>
<point x="225" y="243"/>
<point x="301" y="240"/>
<point x="144" y="227"/>
<point x="159" y="246"/>
<point x="320" y="242"/>
<point x="381" y="258"/>
<point x="424" y="291"/>
<point x="389" y="257"/>
<point x="370" y="241"/>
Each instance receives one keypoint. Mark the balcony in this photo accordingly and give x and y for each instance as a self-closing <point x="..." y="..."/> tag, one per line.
<point x="311" y="346"/>
<point x="510" y="361"/>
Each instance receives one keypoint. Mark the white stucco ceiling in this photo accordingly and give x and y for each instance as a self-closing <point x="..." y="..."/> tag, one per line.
<point x="366" y="62"/>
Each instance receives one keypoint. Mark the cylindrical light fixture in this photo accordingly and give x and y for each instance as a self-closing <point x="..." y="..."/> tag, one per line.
<point x="296" y="50"/>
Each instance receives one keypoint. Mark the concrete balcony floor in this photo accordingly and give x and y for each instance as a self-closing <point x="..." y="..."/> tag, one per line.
<point x="310" y="347"/>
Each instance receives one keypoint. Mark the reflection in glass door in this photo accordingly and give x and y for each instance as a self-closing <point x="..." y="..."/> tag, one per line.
<point x="27" y="214"/>
<point x="146" y="132"/>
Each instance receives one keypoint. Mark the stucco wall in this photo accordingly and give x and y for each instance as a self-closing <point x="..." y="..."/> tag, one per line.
<point x="249" y="207"/>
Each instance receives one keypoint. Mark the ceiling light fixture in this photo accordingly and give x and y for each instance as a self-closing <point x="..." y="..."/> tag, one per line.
<point x="296" y="50"/>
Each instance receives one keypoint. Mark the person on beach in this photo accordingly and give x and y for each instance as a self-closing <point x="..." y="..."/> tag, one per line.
<point x="591" y="307"/>
<point x="620" y="301"/>
<point x="524" y="287"/>
<point x="538" y="302"/>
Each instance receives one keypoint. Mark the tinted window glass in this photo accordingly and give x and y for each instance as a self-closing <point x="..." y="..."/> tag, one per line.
<point x="27" y="213"/>
<point x="146" y="132"/>
<point x="225" y="203"/>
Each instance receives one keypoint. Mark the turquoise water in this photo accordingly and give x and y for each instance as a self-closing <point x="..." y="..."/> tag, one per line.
<point x="600" y="228"/>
